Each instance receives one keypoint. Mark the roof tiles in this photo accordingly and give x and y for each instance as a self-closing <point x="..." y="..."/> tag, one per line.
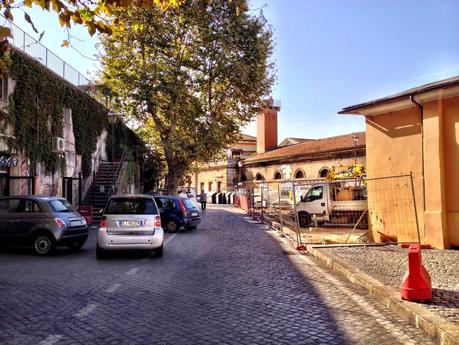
<point x="311" y="148"/>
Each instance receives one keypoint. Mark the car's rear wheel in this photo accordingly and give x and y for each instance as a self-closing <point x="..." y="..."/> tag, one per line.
<point x="75" y="246"/>
<point x="159" y="252"/>
<point x="101" y="253"/>
<point x="43" y="244"/>
<point x="172" y="226"/>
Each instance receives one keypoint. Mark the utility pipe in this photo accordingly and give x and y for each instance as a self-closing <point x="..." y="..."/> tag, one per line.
<point x="339" y="245"/>
<point x="421" y="109"/>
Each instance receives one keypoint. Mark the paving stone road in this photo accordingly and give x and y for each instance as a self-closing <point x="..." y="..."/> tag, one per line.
<point x="228" y="282"/>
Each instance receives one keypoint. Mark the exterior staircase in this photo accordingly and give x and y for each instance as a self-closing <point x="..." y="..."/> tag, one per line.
<point x="100" y="189"/>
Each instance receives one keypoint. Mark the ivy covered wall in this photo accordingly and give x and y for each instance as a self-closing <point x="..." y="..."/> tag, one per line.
<point x="36" y="112"/>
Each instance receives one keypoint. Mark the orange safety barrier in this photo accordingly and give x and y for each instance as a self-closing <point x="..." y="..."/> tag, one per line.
<point x="417" y="284"/>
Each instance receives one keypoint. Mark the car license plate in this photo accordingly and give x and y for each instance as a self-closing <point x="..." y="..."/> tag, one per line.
<point x="194" y="214"/>
<point x="131" y="223"/>
<point x="76" y="223"/>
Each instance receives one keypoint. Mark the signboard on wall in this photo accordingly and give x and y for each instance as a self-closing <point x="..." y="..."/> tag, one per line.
<point x="6" y="161"/>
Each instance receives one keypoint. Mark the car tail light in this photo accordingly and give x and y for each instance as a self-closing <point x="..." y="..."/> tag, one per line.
<point x="60" y="223"/>
<point x="103" y="223"/>
<point x="157" y="222"/>
<point x="182" y="207"/>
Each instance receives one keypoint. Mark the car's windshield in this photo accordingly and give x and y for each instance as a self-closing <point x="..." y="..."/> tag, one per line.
<point x="189" y="204"/>
<point x="60" y="205"/>
<point x="131" y="206"/>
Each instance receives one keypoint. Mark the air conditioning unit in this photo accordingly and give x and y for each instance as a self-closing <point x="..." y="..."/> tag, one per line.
<point x="67" y="115"/>
<point x="57" y="145"/>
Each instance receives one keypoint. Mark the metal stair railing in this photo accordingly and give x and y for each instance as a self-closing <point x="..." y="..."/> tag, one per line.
<point x="114" y="188"/>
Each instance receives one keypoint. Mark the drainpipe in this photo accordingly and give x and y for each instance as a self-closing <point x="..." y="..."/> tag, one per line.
<point x="421" y="109"/>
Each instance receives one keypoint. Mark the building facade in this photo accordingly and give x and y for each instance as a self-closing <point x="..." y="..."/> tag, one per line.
<point x="312" y="159"/>
<point x="224" y="174"/>
<point x="261" y="158"/>
<point x="39" y="144"/>
<point x="417" y="131"/>
<point x="53" y="134"/>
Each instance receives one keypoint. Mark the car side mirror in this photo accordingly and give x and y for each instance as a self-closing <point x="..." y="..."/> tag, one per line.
<point x="100" y="210"/>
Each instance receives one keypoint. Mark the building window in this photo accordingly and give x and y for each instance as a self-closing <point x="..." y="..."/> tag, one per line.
<point x="277" y="175"/>
<point x="210" y="186"/>
<point x="68" y="116"/>
<point x="299" y="173"/>
<point x="219" y="187"/>
<point x="259" y="177"/>
<point x="4" y="89"/>
<point x="323" y="172"/>
<point x="243" y="178"/>
<point x="202" y="187"/>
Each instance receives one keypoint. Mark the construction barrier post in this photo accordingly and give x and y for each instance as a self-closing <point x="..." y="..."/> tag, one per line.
<point x="417" y="285"/>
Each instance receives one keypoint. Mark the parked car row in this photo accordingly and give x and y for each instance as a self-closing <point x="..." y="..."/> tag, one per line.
<point x="129" y="222"/>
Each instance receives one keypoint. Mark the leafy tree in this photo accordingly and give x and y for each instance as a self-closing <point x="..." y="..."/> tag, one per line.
<point x="153" y="168"/>
<point x="95" y="15"/>
<point x="191" y="76"/>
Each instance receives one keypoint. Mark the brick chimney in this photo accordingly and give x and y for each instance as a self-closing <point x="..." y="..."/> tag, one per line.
<point x="267" y="127"/>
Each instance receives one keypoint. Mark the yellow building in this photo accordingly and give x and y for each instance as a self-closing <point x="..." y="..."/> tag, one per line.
<point x="417" y="131"/>
<point x="223" y="174"/>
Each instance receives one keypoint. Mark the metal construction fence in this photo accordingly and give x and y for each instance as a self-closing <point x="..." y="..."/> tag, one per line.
<point x="339" y="211"/>
<point x="35" y="49"/>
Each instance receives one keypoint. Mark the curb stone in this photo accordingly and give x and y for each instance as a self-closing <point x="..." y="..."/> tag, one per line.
<point x="445" y="332"/>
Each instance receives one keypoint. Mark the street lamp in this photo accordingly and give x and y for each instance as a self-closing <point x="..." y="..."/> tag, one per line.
<point x="355" y="139"/>
<point x="112" y="119"/>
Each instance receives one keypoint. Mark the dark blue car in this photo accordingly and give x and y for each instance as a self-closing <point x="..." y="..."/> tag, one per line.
<point x="177" y="212"/>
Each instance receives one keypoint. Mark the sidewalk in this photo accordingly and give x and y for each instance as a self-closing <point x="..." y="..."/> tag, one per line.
<point x="381" y="271"/>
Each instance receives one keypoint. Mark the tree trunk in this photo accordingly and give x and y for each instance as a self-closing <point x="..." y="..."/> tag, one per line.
<point x="172" y="181"/>
<point x="175" y="171"/>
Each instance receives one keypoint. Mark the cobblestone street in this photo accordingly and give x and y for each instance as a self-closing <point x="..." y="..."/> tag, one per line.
<point x="228" y="282"/>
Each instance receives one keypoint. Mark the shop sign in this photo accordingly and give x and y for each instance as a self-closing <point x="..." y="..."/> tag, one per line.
<point x="7" y="162"/>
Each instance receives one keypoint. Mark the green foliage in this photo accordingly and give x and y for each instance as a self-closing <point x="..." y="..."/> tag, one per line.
<point x="125" y="141"/>
<point x="94" y="15"/>
<point x="192" y="76"/>
<point x="36" y="112"/>
<point x="152" y="173"/>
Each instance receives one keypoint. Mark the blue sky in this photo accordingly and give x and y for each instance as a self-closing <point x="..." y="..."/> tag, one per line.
<point x="330" y="54"/>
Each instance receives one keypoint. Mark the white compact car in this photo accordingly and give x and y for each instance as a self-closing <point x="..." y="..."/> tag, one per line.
<point x="130" y="222"/>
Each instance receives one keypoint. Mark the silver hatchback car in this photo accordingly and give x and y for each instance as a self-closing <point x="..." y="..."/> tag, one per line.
<point x="130" y="222"/>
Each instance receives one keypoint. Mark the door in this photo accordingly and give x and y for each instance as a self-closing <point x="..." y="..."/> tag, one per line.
<point x="30" y="217"/>
<point x="4" y="185"/>
<point x="314" y="201"/>
<point x="72" y="189"/>
<point x="9" y="219"/>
